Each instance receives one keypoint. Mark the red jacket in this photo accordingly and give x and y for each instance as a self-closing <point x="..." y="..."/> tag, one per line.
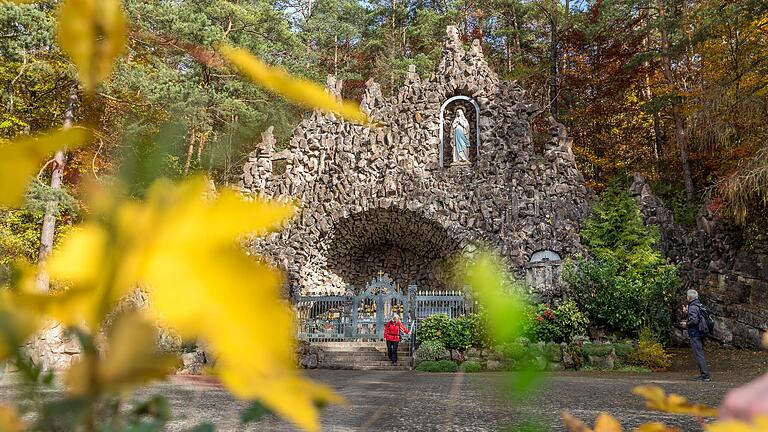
<point x="392" y="331"/>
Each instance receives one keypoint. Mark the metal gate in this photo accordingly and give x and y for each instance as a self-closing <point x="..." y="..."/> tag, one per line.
<point x="362" y="316"/>
<point x="358" y="317"/>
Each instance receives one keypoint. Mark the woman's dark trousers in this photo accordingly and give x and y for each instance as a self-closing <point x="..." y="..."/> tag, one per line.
<point x="392" y="351"/>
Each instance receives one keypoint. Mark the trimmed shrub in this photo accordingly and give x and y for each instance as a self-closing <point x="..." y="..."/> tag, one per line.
<point x="553" y="352"/>
<point x="513" y="351"/>
<point x="574" y="351"/>
<point x="437" y="366"/>
<point x="560" y="324"/>
<point x="596" y="350"/>
<point x="430" y="350"/>
<point x="433" y="328"/>
<point x="458" y="333"/>
<point x="623" y="350"/>
<point x="481" y="338"/>
<point x="470" y="366"/>
<point x="650" y="354"/>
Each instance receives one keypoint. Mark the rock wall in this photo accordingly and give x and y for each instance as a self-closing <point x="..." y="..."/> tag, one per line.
<point x="726" y="265"/>
<point x="375" y="198"/>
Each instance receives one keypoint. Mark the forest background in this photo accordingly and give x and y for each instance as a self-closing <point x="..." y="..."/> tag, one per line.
<point x="674" y="89"/>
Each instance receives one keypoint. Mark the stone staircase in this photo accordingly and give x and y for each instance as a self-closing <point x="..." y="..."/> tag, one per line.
<point x="362" y="356"/>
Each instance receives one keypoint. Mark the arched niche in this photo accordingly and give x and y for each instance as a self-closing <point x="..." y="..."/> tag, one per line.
<point x="445" y="105"/>
<point x="545" y="255"/>
<point x="543" y="275"/>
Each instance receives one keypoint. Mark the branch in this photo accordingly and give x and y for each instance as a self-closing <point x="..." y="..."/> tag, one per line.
<point x="93" y="162"/>
<point x="43" y="169"/>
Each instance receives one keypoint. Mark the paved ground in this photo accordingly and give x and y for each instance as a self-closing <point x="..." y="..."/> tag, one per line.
<point x="414" y="401"/>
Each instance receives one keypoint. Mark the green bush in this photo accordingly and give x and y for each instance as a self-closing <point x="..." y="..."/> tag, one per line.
<point x="555" y="325"/>
<point x="470" y="366"/>
<point x="552" y="351"/>
<point x="458" y="333"/>
<point x="432" y="328"/>
<point x="596" y="350"/>
<point x="437" y="366"/>
<point x="481" y="338"/>
<point x="623" y="349"/>
<point x="513" y="350"/>
<point x="628" y="284"/>
<point x="650" y="353"/>
<point x="574" y="350"/>
<point x="430" y="350"/>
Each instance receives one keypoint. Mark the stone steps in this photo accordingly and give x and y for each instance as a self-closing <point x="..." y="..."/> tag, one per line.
<point x="362" y="356"/>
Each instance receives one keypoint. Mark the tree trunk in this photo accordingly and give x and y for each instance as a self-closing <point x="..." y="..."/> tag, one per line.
<point x="190" y="150"/>
<point x="516" y="27"/>
<point x="48" y="230"/>
<point x="553" y="59"/>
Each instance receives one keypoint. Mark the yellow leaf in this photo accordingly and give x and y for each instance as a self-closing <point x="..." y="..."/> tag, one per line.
<point x="656" y="427"/>
<point x="183" y="248"/>
<point x="93" y="33"/>
<point x="131" y="359"/>
<point x="9" y="419"/>
<point x="298" y="90"/>
<point x="758" y="424"/>
<point x="21" y="158"/>
<point x="656" y="399"/>
<point x="606" y="423"/>
<point x="573" y="424"/>
<point x="16" y="324"/>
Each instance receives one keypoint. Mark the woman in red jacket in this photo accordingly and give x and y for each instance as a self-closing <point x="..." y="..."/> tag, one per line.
<point x="392" y="335"/>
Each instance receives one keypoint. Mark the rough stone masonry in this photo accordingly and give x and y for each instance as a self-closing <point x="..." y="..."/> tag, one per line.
<point x="376" y="198"/>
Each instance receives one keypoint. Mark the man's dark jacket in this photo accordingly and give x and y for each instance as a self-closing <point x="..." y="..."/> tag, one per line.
<point x="697" y="325"/>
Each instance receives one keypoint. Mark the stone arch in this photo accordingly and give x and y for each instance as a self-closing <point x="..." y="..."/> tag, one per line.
<point x="441" y="150"/>
<point x="404" y="244"/>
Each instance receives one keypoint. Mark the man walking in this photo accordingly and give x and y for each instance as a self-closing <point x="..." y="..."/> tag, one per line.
<point x="698" y="330"/>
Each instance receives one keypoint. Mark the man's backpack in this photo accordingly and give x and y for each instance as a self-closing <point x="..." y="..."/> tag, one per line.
<point x="707" y="317"/>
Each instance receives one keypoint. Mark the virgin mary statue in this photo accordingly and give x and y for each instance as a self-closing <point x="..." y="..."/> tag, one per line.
<point x="460" y="128"/>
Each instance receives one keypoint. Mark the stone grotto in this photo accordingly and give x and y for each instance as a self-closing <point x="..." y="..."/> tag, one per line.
<point x="449" y="164"/>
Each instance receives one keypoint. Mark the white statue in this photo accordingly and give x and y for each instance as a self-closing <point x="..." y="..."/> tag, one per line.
<point x="460" y="128"/>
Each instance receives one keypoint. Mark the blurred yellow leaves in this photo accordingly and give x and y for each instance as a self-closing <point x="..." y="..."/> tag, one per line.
<point x="93" y="33"/>
<point x="758" y="424"/>
<point x="9" y="420"/>
<point x="607" y="423"/>
<point x="299" y="90"/>
<point x="131" y="359"/>
<point x="656" y="399"/>
<point x="603" y="423"/>
<point x="183" y="248"/>
<point x="22" y="157"/>
<point x="16" y="324"/>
